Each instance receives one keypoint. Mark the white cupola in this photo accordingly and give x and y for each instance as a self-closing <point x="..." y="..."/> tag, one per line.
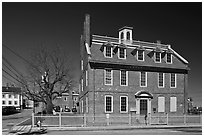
<point x="125" y="35"/>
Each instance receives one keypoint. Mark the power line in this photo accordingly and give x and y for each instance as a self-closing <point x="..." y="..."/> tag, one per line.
<point x="10" y="70"/>
<point x="9" y="79"/>
<point x="12" y="76"/>
<point x="20" y="57"/>
<point x="12" y="66"/>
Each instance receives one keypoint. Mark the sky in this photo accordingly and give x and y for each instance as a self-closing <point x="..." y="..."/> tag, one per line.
<point x="29" y="25"/>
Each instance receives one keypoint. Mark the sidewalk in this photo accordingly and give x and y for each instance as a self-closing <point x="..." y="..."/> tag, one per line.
<point x="118" y="127"/>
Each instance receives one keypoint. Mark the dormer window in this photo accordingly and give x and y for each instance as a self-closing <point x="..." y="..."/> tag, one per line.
<point x="157" y="57"/>
<point x="140" y="55"/>
<point x="128" y="35"/>
<point x="108" y="52"/>
<point x="122" y="53"/>
<point x="122" y="35"/>
<point x="168" y="58"/>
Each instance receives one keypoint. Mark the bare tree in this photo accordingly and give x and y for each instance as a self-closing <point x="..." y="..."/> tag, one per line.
<point x="48" y="76"/>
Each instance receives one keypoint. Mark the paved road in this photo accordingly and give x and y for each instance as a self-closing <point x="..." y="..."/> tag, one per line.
<point x="10" y="120"/>
<point x="179" y="131"/>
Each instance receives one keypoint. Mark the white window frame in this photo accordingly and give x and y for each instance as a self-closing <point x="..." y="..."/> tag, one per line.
<point x="155" y="57"/>
<point x="111" y="104"/>
<point x="86" y="78"/>
<point x="124" y="53"/>
<point x="126" y="104"/>
<point x="4" y="102"/>
<point x="16" y="102"/>
<point x="175" y="80"/>
<point x="160" y="106"/>
<point x="87" y="105"/>
<point x="9" y="103"/>
<point x="82" y="85"/>
<point x="125" y="76"/>
<point x="111" y="77"/>
<point x="105" y="52"/>
<point x="82" y="65"/>
<point x="142" y="55"/>
<point x="82" y="106"/>
<point x="65" y="98"/>
<point x="3" y="95"/>
<point x="145" y="79"/>
<point x="163" y="79"/>
<point x="173" y="107"/>
<point x="171" y="58"/>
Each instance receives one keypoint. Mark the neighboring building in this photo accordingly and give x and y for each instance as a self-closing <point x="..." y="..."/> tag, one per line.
<point x="11" y="96"/>
<point x="120" y="75"/>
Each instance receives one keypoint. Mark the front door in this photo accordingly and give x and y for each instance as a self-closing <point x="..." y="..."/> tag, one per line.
<point x="143" y="106"/>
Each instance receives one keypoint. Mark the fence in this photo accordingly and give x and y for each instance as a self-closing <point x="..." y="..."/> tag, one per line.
<point x="74" y="120"/>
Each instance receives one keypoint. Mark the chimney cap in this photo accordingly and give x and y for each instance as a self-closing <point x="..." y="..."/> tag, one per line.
<point x="126" y="27"/>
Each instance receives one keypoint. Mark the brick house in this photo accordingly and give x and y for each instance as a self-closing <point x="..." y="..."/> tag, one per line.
<point x="121" y="75"/>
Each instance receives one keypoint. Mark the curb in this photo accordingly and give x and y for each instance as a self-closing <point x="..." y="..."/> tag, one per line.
<point x="119" y="128"/>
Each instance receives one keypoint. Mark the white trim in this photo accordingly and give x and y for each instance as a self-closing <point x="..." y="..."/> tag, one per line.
<point x="171" y="59"/>
<point x="155" y="57"/>
<point x="82" y="65"/>
<point x="126" y="104"/>
<point x="82" y="85"/>
<point x="111" y="104"/>
<point x="175" y="80"/>
<point x="111" y="77"/>
<point x="172" y="107"/>
<point x="184" y="60"/>
<point x="126" y="73"/>
<point x="86" y="78"/>
<point x="145" y="79"/>
<point x="82" y="106"/>
<point x="124" y="53"/>
<point x="87" y="105"/>
<point x="142" y="55"/>
<point x="162" y="78"/>
<point x="88" y="49"/>
<point x="161" y="107"/>
<point x="105" y="52"/>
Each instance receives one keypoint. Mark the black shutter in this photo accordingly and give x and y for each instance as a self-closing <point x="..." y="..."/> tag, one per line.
<point x="102" y="48"/>
<point x="163" y="54"/>
<point x="115" y="50"/>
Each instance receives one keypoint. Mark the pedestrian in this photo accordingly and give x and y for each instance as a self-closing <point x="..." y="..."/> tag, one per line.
<point x="145" y="119"/>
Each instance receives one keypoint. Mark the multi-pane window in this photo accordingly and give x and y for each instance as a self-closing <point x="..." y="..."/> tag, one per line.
<point x="122" y="53"/>
<point x="157" y="57"/>
<point x="108" y="77"/>
<point x="65" y="98"/>
<point x="108" y="104"/>
<point x="168" y="58"/>
<point x="82" y="65"/>
<point x="86" y="78"/>
<point x="87" y="105"/>
<point x="82" y="85"/>
<point x="161" y="79"/>
<point x="122" y="35"/>
<point x="128" y="35"/>
<point x="161" y="104"/>
<point x="15" y="102"/>
<point x="140" y="55"/>
<point x="123" y="77"/>
<point x="123" y="104"/>
<point x="3" y="95"/>
<point x="10" y="102"/>
<point x="173" y="80"/>
<point x="173" y="104"/>
<point x="3" y="102"/>
<point x="108" y="51"/>
<point x="143" y="79"/>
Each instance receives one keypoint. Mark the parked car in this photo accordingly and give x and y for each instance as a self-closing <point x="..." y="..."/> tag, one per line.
<point x="67" y="110"/>
<point x="74" y="110"/>
<point x="6" y="110"/>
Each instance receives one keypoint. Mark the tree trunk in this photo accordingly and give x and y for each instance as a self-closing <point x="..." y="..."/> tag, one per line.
<point x="49" y="106"/>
